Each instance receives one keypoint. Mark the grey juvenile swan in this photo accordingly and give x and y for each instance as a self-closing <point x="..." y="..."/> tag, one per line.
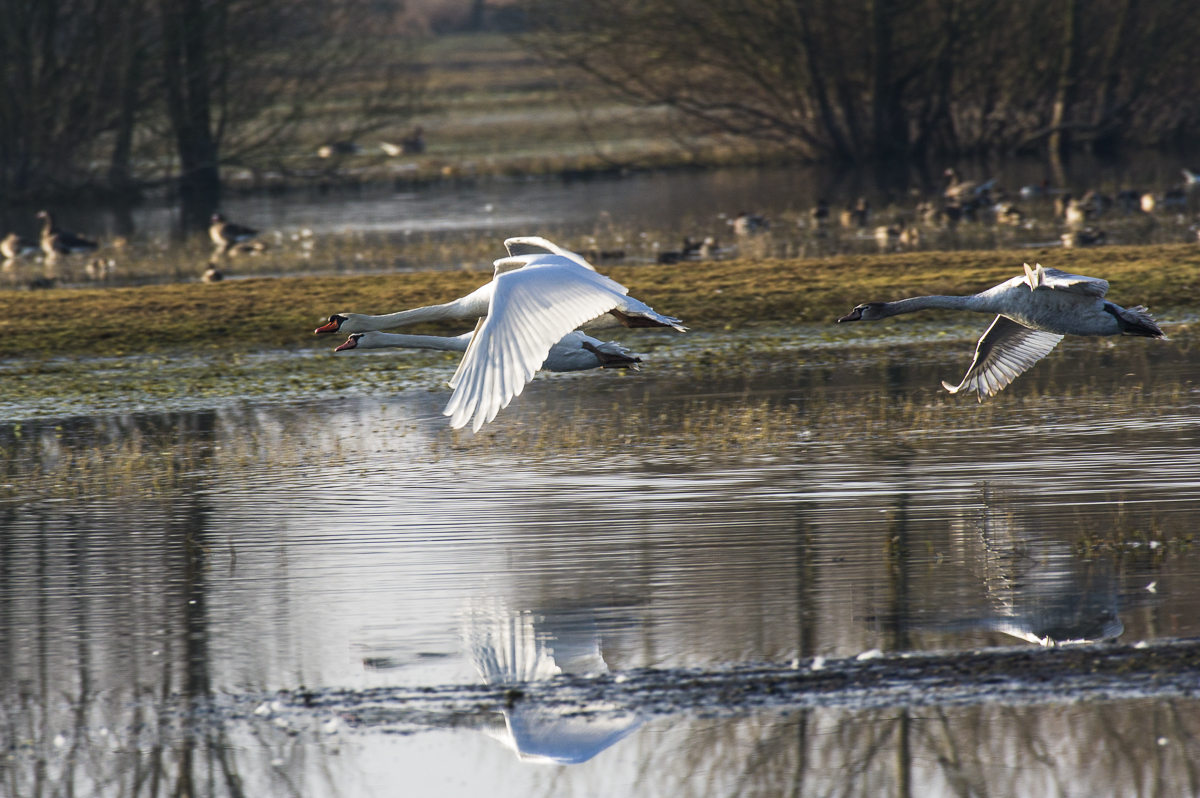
<point x="1035" y="311"/>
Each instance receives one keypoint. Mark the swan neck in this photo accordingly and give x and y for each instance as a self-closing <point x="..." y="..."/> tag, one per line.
<point x="929" y="303"/>
<point x="400" y="341"/>
<point x="415" y="316"/>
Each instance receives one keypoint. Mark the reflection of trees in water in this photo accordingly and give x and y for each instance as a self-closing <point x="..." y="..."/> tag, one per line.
<point x="1086" y="749"/>
<point x="104" y="658"/>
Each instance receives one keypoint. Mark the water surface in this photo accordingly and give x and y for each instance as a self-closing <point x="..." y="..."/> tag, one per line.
<point x="700" y="515"/>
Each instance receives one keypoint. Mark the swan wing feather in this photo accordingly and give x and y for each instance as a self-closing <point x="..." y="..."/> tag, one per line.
<point x="536" y="245"/>
<point x="532" y="309"/>
<point x="1005" y="351"/>
<point x="1056" y="280"/>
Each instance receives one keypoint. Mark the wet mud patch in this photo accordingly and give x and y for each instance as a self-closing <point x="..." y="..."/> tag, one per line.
<point x="1008" y="677"/>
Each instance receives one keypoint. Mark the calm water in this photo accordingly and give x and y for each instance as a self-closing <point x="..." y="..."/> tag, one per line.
<point x="361" y="546"/>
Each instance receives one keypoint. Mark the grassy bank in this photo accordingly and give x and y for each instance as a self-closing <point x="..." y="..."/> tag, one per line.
<point x="247" y="315"/>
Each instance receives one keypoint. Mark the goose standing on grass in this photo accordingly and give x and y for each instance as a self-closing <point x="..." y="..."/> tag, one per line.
<point x="227" y="236"/>
<point x="963" y="189"/>
<point x="14" y="246"/>
<point x="1036" y="310"/>
<point x="538" y="295"/>
<point x="573" y="352"/>
<point x="57" y="242"/>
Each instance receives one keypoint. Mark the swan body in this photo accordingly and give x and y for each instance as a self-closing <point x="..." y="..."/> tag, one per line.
<point x="523" y="252"/>
<point x="538" y="295"/>
<point x="575" y="351"/>
<point x="1033" y="313"/>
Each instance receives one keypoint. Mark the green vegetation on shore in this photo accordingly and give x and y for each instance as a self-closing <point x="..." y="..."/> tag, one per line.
<point x="254" y="314"/>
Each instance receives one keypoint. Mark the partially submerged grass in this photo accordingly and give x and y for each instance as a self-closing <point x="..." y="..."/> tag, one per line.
<point x="260" y="313"/>
<point x="765" y="427"/>
<point x="159" y="455"/>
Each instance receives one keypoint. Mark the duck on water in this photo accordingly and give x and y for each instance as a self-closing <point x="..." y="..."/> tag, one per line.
<point x="1034" y="312"/>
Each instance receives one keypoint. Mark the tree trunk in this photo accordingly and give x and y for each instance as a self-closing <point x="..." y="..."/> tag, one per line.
<point x="828" y="119"/>
<point x="120" y="177"/>
<point x="889" y="132"/>
<point x="186" y="79"/>
<point x="1064" y="95"/>
<point x="1107" y="115"/>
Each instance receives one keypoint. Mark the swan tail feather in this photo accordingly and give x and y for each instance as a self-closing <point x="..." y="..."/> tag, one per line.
<point x="1138" y="321"/>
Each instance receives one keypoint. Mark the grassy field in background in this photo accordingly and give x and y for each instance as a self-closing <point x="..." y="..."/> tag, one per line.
<point x="253" y="314"/>
<point x="490" y="107"/>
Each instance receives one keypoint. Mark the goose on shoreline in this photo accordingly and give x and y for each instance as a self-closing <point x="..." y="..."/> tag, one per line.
<point x="56" y="241"/>
<point x="227" y="237"/>
<point x="14" y="246"/>
<point x="575" y="351"/>
<point x="538" y="295"/>
<point x="1035" y="311"/>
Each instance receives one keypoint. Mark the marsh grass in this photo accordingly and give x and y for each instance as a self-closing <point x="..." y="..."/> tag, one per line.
<point x="157" y="457"/>
<point x="256" y="314"/>
<point x="762" y="427"/>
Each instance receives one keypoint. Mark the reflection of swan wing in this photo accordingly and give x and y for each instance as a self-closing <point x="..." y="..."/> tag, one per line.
<point x="1005" y="351"/>
<point x="509" y="646"/>
<point x="561" y="737"/>
<point x="531" y="310"/>
<point x="1055" y="631"/>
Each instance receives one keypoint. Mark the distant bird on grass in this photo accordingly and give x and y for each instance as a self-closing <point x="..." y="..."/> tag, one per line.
<point x="99" y="269"/>
<point x="229" y="238"/>
<point x="1084" y="238"/>
<point x="749" y="224"/>
<point x="964" y="190"/>
<point x="56" y="241"/>
<point x="1036" y="310"/>
<point x="14" y="246"/>
<point x="338" y="148"/>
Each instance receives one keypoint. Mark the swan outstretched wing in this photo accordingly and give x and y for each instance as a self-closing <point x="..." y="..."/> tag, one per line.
<point x="532" y="309"/>
<point x="1055" y="280"/>
<point x="1005" y="351"/>
<point x="536" y="245"/>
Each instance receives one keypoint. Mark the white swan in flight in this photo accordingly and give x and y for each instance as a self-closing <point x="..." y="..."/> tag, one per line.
<point x="1034" y="311"/>
<point x="537" y="296"/>
<point x="573" y="352"/>
<point x="523" y="252"/>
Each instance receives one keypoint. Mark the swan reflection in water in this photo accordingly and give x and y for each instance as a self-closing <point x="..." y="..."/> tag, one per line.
<point x="513" y="647"/>
<point x="1040" y="590"/>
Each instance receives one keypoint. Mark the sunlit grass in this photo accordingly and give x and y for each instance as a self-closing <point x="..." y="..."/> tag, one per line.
<point x="241" y="315"/>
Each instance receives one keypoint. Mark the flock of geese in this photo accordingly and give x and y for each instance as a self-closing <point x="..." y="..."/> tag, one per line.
<point x="542" y="299"/>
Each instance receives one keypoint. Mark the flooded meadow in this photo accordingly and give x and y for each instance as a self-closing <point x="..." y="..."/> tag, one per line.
<point x="775" y="561"/>
<point x="634" y="218"/>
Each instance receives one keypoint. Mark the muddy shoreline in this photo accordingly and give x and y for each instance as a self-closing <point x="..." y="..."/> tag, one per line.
<point x="1008" y="676"/>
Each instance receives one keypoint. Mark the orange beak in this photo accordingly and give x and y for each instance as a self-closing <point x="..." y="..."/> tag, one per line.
<point x="331" y="327"/>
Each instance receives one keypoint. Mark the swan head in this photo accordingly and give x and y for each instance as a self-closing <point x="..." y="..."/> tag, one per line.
<point x="333" y="325"/>
<point x="351" y="342"/>
<point x="869" y="311"/>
